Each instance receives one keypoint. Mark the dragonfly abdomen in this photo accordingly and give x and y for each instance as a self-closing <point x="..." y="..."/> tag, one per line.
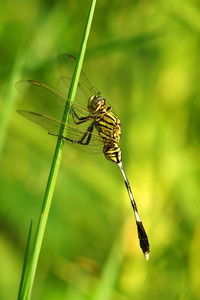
<point x="109" y="129"/>
<point x="113" y="152"/>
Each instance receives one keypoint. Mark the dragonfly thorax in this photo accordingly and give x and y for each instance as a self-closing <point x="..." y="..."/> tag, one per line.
<point x="96" y="103"/>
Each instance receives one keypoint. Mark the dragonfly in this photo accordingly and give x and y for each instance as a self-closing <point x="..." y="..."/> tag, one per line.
<point x="92" y="125"/>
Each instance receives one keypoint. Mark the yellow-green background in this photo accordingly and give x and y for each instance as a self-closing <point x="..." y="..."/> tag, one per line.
<point x="144" y="56"/>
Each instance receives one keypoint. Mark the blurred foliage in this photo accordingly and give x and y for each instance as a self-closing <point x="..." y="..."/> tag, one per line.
<point x="144" y="56"/>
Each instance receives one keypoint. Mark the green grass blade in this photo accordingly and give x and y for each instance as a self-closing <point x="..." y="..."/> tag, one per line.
<point x="31" y="269"/>
<point x="25" y="260"/>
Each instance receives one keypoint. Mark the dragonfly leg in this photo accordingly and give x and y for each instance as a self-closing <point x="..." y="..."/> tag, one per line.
<point x="87" y="134"/>
<point x="81" y="119"/>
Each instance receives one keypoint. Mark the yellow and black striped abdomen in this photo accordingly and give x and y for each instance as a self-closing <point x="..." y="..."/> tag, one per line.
<point x="109" y="129"/>
<point x="113" y="152"/>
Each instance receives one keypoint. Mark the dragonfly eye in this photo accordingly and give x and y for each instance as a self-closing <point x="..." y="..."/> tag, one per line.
<point x="95" y="103"/>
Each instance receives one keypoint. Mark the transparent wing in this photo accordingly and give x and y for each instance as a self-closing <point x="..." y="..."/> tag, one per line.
<point x="85" y="89"/>
<point x="66" y="64"/>
<point x="81" y="99"/>
<point x="51" y="104"/>
<point x="48" y="101"/>
<point x="72" y="132"/>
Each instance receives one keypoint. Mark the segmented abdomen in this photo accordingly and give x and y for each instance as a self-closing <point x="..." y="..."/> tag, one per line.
<point x="109" y="129"/>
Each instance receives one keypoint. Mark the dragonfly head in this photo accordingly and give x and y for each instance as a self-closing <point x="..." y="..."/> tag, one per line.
<point x="95" y="103"/>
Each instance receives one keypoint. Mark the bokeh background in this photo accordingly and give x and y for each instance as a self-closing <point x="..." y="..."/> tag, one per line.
<point x="144" y="56"/>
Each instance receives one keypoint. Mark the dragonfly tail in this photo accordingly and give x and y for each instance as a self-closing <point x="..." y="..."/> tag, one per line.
<point x="143" y="238"/>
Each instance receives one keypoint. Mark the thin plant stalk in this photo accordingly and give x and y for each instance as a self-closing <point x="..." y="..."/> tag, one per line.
<point x="25" y="259"/>
<point x="31" y="268"/>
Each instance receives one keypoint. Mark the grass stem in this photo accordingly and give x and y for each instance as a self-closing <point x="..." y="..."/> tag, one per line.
<point x="32" y="265"/>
